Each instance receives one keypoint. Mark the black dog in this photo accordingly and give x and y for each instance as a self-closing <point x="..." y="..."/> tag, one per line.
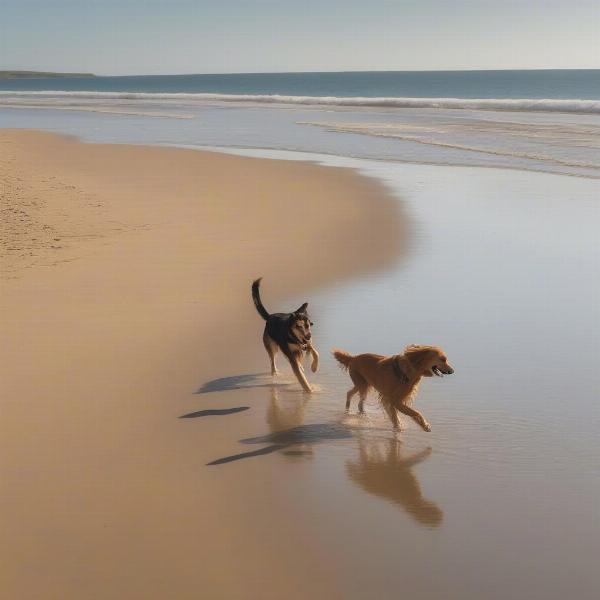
<point x="290" y="333"/>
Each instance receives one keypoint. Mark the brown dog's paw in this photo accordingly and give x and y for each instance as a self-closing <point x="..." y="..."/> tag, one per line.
<point x="426" y="426"/>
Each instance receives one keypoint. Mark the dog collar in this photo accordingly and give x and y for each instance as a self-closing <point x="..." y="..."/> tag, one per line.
<point x="400" y="374"/>
<point x="291" y="338"/>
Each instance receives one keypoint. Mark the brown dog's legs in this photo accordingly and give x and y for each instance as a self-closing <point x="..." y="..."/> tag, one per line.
<point x="299" y="373"/>
<point x="392" y="413"/>
<point x="271" y="348"/>
<point x="360" y="385"/>
<point x="415" y="415"/>
<point x="349" y="396"/>
<point x="363" y="396"/>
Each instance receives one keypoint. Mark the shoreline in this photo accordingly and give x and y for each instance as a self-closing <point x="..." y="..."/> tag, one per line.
<point x="253" y="150"/>
<point x="129" y="288"/>
<point x="314" y="158"/>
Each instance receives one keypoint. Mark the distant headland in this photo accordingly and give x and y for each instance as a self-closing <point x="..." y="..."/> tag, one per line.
<point x="39" y="74"/>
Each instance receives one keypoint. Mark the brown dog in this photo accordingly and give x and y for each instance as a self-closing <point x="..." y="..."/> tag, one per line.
<point x="396" y="378"/>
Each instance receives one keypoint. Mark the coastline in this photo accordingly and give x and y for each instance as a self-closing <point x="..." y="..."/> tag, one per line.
<point x="126" y="274"/>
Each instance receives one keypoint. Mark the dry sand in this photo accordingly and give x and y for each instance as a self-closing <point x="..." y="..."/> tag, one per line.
<point x="125" y="286"/>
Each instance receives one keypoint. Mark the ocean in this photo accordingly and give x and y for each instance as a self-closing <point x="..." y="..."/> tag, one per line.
<point x="531" y="120"/>
<point x="581" y="84"/>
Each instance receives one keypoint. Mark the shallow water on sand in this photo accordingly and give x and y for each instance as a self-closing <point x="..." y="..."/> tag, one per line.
<point x="501" y="498"/>
<point x="554" y="142"/>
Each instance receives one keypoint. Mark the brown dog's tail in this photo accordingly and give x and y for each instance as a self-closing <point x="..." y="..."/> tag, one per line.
<point x="343" y="358"/>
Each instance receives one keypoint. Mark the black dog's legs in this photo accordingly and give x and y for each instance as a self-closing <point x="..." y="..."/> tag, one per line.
<point x="299" y="373"/>
<point x="315" y="357"/>
<point x="271" y="348"/>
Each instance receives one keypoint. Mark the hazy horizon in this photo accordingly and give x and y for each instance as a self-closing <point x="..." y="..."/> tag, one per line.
<point x="183" y="74"/>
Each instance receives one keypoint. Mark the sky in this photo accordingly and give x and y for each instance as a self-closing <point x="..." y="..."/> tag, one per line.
<point x="227" y="36"/>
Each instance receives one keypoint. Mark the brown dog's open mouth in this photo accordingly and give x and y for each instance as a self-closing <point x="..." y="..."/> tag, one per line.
<point x="438" y="372"/>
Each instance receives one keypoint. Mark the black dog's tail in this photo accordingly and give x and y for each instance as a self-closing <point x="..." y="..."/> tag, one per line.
<point x="262" y="311"/>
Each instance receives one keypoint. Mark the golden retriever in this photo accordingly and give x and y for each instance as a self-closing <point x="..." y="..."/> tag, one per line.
<point x="396" y="378"/>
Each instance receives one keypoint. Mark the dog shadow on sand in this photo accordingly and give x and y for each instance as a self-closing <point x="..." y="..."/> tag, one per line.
<point x="234" y="382"/>
<point x="213" y="412"/>
<point x="282" y="440"/>
<point x="241" y="382"/>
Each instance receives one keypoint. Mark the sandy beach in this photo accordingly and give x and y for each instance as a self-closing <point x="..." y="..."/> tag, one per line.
<point x="125" y="287"/>
<point x="415" y="175"/>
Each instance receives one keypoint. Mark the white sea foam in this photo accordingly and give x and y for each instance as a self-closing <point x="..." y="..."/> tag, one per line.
<point x="498" y="144"/>
<point x="103" y="110"/>
<point x="503" y="104"/>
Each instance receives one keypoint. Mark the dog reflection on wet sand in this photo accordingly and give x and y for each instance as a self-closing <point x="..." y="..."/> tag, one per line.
<point x="382" y="470"/>
<point x="286" y="412"/>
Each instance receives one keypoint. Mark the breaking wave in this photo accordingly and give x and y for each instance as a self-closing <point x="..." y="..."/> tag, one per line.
<point x="62" y="98"/>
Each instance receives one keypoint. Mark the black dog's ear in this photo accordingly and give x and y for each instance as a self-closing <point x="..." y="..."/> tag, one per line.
<point x="302" y="309"/>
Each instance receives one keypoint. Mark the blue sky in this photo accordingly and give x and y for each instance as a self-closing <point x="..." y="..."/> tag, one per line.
<point x="185" y="36"/>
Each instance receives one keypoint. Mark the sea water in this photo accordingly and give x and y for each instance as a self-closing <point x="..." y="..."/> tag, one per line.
<point x="534" y="120"/>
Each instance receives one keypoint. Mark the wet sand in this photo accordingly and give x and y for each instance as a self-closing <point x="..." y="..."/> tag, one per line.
<point x="125" y="287"/>
<point x="147" y="454"/>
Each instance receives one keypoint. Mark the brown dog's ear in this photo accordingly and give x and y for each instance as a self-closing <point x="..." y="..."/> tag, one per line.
<point x="302" y="309"/>
<point x="416" y="355"/>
